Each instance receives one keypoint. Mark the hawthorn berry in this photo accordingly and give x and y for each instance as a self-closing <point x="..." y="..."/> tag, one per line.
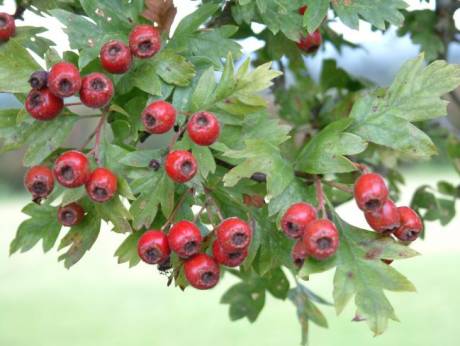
<point x="229" y="259"/>
<point x="310" y="42"/>
<point x="71" y="214"/>
<point x="39" y="181"/>
<point x="370" y="192"/>
<point x="303" y="9"/>
<point x="116" y="57"/>
<point x="43" y="105"/>
<point x="299" y="253"/>
<point x="144" y="41"/>
<point x="202" y="272"/>
<point x="64" y="79"/>
<point x="185" y="239"/>
<point x="411" y="225"/>
<point x="385" y="220"/>
<point x="296" y="218"/>
<point x="203" y="128"/>
<point x="7" y="26"/>
<point x="233" y="234"/>
<point x="181" y="166"/>
<point x="153" y="247"/>
<point x="321" y="239"/>
<point x="159" y="117"/>
<point x="96" y="90"/>
<point x="71" y="169"/>
<point x="101" y="185"/>
<point x="38" y="80"/>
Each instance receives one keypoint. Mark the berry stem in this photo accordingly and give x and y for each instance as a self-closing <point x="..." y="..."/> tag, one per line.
<point x="213" y="202"/>
<point x="178" y="135"/>
<point x="197" y="216"/>
<point x="363" y="168"/>
<point x="176" y="209"/>
<point x="339" y="186"/>
<point x="320" y="196"/>
<point x="75" y="104"/>
<point x="97" y="133"/>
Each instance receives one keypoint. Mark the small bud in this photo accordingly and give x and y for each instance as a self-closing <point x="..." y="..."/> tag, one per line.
<point x="39" y="80"/>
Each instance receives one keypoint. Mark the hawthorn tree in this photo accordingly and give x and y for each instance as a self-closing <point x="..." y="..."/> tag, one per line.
<point x="258" y="156"/>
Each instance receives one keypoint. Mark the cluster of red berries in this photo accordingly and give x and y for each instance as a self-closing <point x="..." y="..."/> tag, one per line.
<point x="371" y="195"/>
<point x="310" y="42"/>
<point x="202" y="271"/>
<point x="315" y="237"/>
<point x="7" y="26"/>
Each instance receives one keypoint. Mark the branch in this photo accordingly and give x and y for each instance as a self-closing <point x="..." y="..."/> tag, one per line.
<point x="97" y="134"/>
<point x="176" y="209"/>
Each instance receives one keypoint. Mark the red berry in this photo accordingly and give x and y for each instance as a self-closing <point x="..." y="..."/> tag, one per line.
<point x="296" y="218"/>
<point x="299" y="253"/>
<point x="64" y="79"/>
<point x="203" y="128"/>
<point x="116" y="57"/>
<point x="71" y="169"/>
<point x="303" y="9"/>
<point x="43" y="105"/>
<point x="39" y="181"/>
<point x="70" y="215"/>
<point x="384" y="220"/>
<point x="321" y="239"/>
<point x="144" y="41"/>
<point x="202" y="272"/>
<point x="370" y="192"/>
<point x="311" y="42"/>
<point x="153" y="247"/>
<point x="96" y="90"/>
<point x="7" y="26"/>
<point x="411" y="225"/>
<point x="180" y="166"/>
<point x="233" y="234"/>
<point x="185" y="239"/>
<point x="229" y="259"/>
<point x="159" y="117"/>
<point x="38" y="80"/>
<point x="101" y="185"/>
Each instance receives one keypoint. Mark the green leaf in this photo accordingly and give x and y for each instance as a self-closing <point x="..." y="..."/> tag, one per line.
<point x="174" y="68"/>
<point x="193" y="21"/>
<point x="73" y="195"/>
<point x="203" y="95"/>
<point x="141" y="158"/>
<point x="277" y="283"/>
<point x="317" y="11"/>
<point x="246" y="299"/>
<point x="115" y="212"/>
<point x="127" y="251"/>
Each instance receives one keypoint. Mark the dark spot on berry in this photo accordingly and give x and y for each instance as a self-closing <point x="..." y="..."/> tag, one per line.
<point x="324" y="243"/>
<point x="202" y="120"/>
<point x="235" y="255"/>
<point x="65" y="85"/>
<point x="298" y="262"/>
<point x="391" y="230"/>
<point x="239" y="238"/>
<point x="410" y="235"/>
<point x="39" y="188"/>
<point x="190" y="247"/>
<point x="150" y="120"/>
<point x="97" y="84"/>
<point x="114" y="50"/>
<point x="152" y="255"/>
<point x="186" y="167"/>
<point x="145" y="46"/>
<point x="68" y="217"/>
<point x="372" y="204"/>
<point x="36" y="100"/>
<point x="67" y="173"/>
<point x="34" y="82"/>
<point x="292" y="227"/>
<point x="2" y="22"/>
<point x="155" y="165"/>
<point x="208" y="277"/>
<point x="100" y="192"/>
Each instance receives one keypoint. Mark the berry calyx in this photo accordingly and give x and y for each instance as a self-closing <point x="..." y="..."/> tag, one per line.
<point x="321" y="239"/>
<point x="101" y="185"/>
<point x="159" y="117"/>
<point x="303" y="9"/>
<point x="202" y="272"/>
<point x="185" y="239"/>
<point x="7" y="26"/>
<point x="203" y="128"/>
<point x="370" y="192"/>
<point x="96" y="90"/>
<point x="71" y="214"/>
<point x="71" y="169"/>
<point x="385" y="220"/>
<point x="144" y="41"/>
<point x="64" y="79"/>
<point x="228" y="259"/>
<point x="38" y="80"/>
<point x="411" y="225"/>
<point x="43" y="105"/>
<point x="233" y="234"/>
<point x="296" y="218"/>
<point x="153" y="247"/>
<point x="181" y="166"/>
<point x="299" y="253"/>
<point x="116" y="57"/>
<point x="310" y="42"/>
<point x="39" y="181"/>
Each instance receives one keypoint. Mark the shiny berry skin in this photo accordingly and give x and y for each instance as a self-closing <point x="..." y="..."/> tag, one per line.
<point x="385" y="220"/>
<point x="153" y="247"/>
<point x="96" y="90"/>
<point x="303" y="9"/>
<point x="228" y="259"/>
<point x="233" y="234"/>
<point x="370" y="192"/>
<point x="311" y="42"/>
<point x="299" y="253"/>
<point x="296" y="218"/>
<point x="38" y="80"/>
<point x="39" y="181"/>
<point x="144" y="41"/>
<point x="64" y="79"/>
<point x="202" y="272"/>
<point x="7" y="26"/>
<point x="101" y="185"/>
<point x="71" y="214"/>
<point x="71" y="169"/>
<point x="43" y="105"/>
<point x="411" y="225"/>
<point x="321" y="239"/>
<point x="116" y="57"/>
<point x="159" y="117"/>
<point x="185" y="239"/>
<point x="181" y="166"/>
<point x="203" y="128"/>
